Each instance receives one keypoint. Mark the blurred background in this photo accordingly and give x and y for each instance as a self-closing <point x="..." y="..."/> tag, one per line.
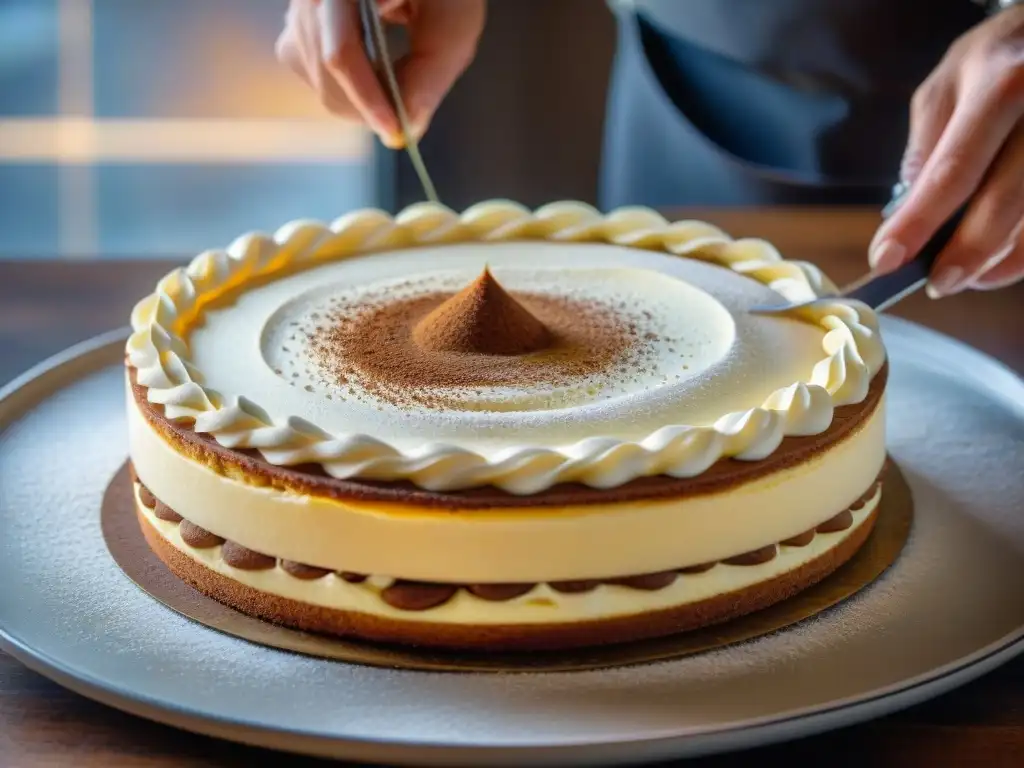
<point x="157" y="128"/>
<point x="136" y="133"/>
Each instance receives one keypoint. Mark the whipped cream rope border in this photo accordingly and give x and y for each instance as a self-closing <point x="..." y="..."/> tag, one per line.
<point x="156" y="349"/>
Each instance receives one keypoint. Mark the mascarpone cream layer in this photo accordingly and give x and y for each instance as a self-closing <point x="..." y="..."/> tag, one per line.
<point x="541" y="605"/>
<point x="708" y="355"/>
<point x="516" y="545"/>
<point x="214" y="345"/>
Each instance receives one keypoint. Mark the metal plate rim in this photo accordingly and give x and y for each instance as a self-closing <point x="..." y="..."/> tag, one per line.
<point x="760" y="731"/>
<point x="768" y="730"/>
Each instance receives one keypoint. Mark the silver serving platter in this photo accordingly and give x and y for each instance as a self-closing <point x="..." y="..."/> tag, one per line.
<point x="949" y="610"/>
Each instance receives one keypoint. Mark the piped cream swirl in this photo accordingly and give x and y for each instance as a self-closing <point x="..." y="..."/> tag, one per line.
<point x="851" y="346"/>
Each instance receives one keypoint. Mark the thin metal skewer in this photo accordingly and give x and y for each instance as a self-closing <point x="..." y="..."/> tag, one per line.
<point x="377" y="51"/>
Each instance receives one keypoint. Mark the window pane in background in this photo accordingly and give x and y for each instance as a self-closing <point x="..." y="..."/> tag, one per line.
<point x="28" y="87"/>
<point x="28" y="58"/>
<point x="194" y="59"/>
<point x="182" y="209"/>
<point x="163" y="127"/>
<point x="28" y="210"/>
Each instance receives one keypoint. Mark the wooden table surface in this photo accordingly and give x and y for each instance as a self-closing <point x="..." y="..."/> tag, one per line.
<point x="47" y="305"/>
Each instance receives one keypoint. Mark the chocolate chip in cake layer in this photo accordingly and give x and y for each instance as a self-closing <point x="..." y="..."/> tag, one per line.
<point x="417" y="595"/>
<point x="691" y="570"/>
<point x="303" y="571"/>
<point x="865" y="497"/>
<point x="575" y="587"/>
<point x="499" y="592"/>
<point x="162" y="512"/>
<point x="840" y="522"/>
<point x="197" y="537"/>
<point x="754" y="557"/>
<point x="352" y="578"/>
<point x="647" y="581"/>
<point x="801" y="540"/>
<point x="146" y="497"/>
<point x="245" y="559"/>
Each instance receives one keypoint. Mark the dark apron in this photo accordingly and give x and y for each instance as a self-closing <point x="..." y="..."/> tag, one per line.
<point x="767" y="102"/>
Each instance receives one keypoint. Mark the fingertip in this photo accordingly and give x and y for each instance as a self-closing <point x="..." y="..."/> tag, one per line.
<point x="886" y="255"/>
<point x="391" y="139"/>
<point x="360" y="85"/>
<point x="386" y="125"/>
<point x="945" y="281"/>
<point x="902" y="235"/>
<point x="388" y="131"/>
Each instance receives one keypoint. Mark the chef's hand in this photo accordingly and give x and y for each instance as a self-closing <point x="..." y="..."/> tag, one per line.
<point x="966" y="137"/>
<point x="322" y="42"/>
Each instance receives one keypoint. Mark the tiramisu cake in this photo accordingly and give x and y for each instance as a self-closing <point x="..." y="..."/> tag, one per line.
<point x="502" y="429"/>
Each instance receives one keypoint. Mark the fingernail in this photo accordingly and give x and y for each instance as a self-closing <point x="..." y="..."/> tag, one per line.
<point x="995" y="285"/>
<point x="945" y="283"/>
<point x="886" y="256"/>
<point x="392" y="140"/>
<point x="387" y="129"/>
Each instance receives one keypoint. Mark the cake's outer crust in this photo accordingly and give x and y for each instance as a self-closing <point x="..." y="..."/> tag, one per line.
<point x="652" y="624"/>
<point x="249" y="467"/>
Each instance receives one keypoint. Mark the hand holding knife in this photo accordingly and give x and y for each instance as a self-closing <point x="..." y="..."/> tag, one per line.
<point x="376" y="44"/>
<point x="882" y="291"/>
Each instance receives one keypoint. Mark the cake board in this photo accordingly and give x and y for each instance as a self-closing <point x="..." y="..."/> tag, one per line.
<point x="128" y="546"/>
<point x="950" y="609"/>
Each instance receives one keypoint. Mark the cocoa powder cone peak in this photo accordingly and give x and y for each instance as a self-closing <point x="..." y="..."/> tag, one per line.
<point x="484" y="319"/>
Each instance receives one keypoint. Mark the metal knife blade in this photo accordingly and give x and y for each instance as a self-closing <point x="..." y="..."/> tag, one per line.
<point x="377" y="51"/>
<point x="882" y="291"/>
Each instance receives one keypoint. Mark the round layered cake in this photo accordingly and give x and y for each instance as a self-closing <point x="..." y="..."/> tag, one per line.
<point x="503" y="429"/>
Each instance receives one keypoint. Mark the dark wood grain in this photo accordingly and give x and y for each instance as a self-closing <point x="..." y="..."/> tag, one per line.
<point x="45" y="306"/>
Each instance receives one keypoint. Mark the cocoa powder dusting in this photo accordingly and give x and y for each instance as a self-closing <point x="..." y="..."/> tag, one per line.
<point x="427" y="348"/>
<point x="482" y="318"/>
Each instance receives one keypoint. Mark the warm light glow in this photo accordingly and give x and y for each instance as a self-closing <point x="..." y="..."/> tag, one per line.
<point x="283" y="121"/>
<point x="81" y="140"/>
<point x="76" y="187"/>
